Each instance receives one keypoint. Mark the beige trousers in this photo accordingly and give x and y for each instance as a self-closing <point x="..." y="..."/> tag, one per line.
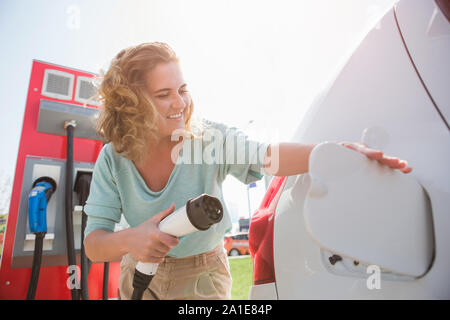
<point x="202" y="276"/>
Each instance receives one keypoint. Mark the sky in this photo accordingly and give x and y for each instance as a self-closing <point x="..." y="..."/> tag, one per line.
<point x="254" y="64"/>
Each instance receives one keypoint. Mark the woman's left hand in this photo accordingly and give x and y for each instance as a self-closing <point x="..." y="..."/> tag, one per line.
<point x="392" y="162"/>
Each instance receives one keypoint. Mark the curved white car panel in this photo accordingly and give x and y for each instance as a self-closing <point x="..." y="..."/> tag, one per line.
<point x="357" y="208"/>
<point x="266" y="291"/>
<point x="426" y="32"/>
<point x="377" y="93"/>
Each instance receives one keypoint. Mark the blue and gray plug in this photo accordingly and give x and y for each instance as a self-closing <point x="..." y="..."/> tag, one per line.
<point x="38" y="199"/>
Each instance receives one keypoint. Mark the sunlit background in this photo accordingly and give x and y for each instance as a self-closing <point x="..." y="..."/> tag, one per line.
<point x="252" y="64"/>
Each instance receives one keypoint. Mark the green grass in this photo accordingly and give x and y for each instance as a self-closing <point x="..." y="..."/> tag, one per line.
<point x="242" y="273"/>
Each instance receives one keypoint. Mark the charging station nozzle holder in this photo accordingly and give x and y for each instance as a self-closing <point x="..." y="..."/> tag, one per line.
<point x="53" y="116"/>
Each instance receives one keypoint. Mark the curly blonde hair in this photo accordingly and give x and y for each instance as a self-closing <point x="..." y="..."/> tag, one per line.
<point x="128" y="117"/>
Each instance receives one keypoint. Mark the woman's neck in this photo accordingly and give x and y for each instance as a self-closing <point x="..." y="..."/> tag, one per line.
<point x="162" y="150"/>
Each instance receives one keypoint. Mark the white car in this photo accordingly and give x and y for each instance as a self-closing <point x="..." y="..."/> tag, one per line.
<point x="351" y="228"/>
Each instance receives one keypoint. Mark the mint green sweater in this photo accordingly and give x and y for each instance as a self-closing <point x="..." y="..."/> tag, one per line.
<point x="118" y="188"/>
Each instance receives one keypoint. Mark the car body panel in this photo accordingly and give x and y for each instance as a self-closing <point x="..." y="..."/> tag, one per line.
<point x="377" y="98"/>
<point x="357" y="208"/>
<point x="266" y="291"/>
<point x="426" y="32"/>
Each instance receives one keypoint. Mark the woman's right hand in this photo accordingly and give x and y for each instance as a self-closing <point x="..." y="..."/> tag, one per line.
<point x="149" y="244"/>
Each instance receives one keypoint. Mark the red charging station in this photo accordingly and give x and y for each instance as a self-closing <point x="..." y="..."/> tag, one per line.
<point x="50" y="86"/>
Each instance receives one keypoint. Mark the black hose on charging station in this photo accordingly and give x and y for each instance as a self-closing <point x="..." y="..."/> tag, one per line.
<point x="71" y="257"/>
<point x="36" y="267"/>
<point x="82" y="188"/>
<point x="105" y="280"/>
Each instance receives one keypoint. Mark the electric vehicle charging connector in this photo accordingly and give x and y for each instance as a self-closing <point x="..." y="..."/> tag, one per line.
<point x="198" y="214"/>
<point x="39" y="196"/>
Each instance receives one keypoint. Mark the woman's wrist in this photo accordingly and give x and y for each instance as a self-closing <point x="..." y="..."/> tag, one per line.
<point x="124" y="240"/>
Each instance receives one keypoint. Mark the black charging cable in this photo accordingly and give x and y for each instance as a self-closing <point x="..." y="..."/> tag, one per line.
<point x="82" y="188"/>
<point x="40" y="194"/>
<point x="70" y="242"/>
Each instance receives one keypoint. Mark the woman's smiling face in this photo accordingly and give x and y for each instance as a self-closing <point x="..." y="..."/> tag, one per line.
<point x="168" y="91"/>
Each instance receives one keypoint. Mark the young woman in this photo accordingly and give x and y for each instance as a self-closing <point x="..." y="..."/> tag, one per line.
<point x="138" y="174"/>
